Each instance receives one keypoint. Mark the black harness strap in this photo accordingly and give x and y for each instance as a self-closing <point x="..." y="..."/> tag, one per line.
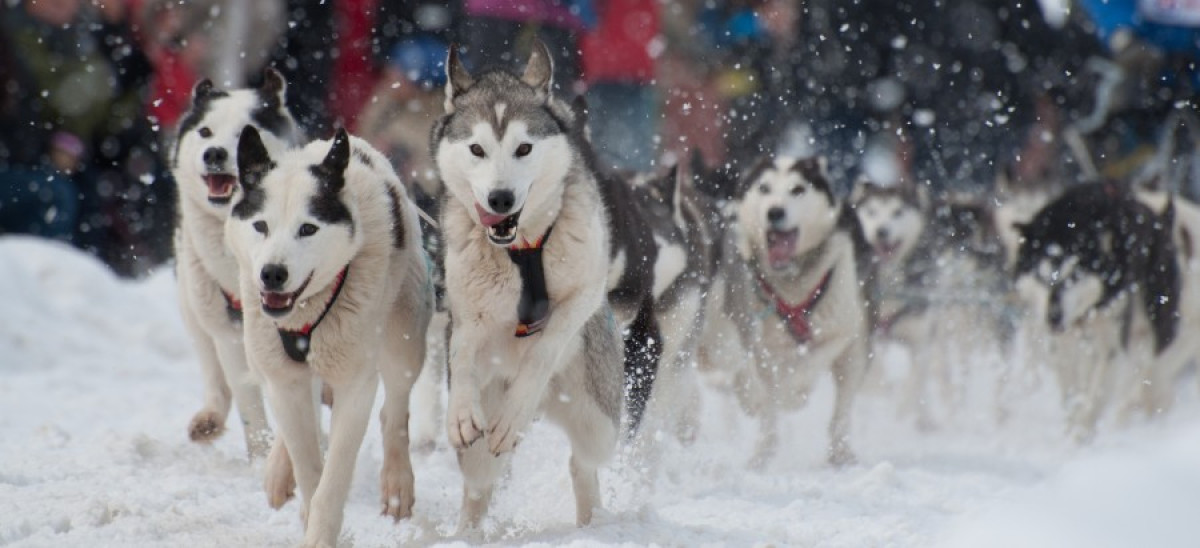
<point x="297" y="343"/>
<point x="534" y="307"/>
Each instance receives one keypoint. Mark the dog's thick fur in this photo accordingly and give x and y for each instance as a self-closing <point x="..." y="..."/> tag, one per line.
<point x="795" y="236"/>
<point x="1108" y="270"/>
<point x="327" y="238"/>
<point x="503" y="133"/>
<point x="936" y="273"/>
<point x="635" y="274"/>
<point x="686" y="228"/>
<point x="205" y="170"/>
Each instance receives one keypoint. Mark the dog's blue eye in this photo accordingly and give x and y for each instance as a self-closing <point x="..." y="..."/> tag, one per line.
<point x="307" y="229"/>
<point x="524" y="149"/>
<point x="205" y="132"/>
<point x="764" y="189"/>
<point x="261" y="227"/>
<point x="477" y="151"/>
<point x="797" y="190"/>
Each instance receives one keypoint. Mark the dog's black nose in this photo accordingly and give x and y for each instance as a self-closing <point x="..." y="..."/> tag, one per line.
<point x="1054" y="315"/>
<point x="775" y="214"/>
<point x="501" y="201"/>
<point x="882" y="233"/>
<point x="274" y="276"/>
<point x="216" y="156"/>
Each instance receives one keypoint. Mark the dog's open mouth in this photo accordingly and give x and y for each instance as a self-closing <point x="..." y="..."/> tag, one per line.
<point x="277" y="304"/>
<point x="501" y="229"/>
<point x="220" y="187"/>
<point x="781" y="247"/>
<point x="886" y="250"/>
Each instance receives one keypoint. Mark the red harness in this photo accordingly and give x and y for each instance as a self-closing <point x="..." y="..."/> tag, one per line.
<point x="233" y="306"/>
<point x="795" y="315"/>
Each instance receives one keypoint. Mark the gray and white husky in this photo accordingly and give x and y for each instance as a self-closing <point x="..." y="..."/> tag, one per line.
<point x="329" y="251"/>
<point x="526" y="262"/>
<point x="804" y="250"/>
<point x="205" y="169"/>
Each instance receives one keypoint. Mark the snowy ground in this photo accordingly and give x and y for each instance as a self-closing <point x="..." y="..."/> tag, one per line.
<point x="98" y="382"/>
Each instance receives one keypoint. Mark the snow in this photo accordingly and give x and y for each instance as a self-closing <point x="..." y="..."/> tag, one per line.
<point x="98" y="382"/>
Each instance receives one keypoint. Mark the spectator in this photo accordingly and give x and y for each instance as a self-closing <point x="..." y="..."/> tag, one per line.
<point x="500" y="32"/>
<point x="412" y="39"/>
<point x="81" y="86"/>
<point x="619" y="68"/>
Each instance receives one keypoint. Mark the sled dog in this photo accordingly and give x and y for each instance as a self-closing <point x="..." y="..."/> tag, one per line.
<point x="205" y="169"/>
<point x="526" y="263"/>
<point x="329" y="251"/>
<point x="804" y="250"/>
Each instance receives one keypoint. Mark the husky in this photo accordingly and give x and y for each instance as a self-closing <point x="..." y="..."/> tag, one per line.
<point x="1107" y="268"/>
<point x="329" y="249"/>
<point x="686" y="227"/>
<point x="205" y="169"/>
<point x="804" y="252"/>
<point x="935" y="264"/>
<point x="634" y="272"/>
<point x="526" y="261"/>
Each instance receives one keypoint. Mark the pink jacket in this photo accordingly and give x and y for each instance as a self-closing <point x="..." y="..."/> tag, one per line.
<point x="550" y="12"/>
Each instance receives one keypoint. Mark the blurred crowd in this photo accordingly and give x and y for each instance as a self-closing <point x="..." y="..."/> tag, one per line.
<point x="945" y="93"/>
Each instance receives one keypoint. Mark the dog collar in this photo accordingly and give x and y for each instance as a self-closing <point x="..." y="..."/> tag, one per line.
<point x="534" y="307"/>
<point x="796" y="315"/>
<point x="233" y="306"/>
<point x="297" y="342"/>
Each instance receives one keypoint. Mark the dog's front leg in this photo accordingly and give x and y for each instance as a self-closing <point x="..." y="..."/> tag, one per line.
<point x="247" y="396"/>
<point x="289" y="392"/>
<point x="353" y="399"/>
<point x="464" y="414"/>
<point x="523" y="398"/>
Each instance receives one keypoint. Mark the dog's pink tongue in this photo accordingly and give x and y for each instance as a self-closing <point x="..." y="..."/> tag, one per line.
<point x="780" y="248"/>
<point x="220" y="184"/>
<point x="487" y="218"/>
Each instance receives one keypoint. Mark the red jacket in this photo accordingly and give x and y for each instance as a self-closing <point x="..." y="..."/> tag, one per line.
<point x="620" y="48"/>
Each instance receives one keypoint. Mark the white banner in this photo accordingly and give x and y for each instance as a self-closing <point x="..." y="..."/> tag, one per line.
<point x="1183" y="13"/>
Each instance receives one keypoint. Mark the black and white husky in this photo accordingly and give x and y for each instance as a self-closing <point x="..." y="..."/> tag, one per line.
<point x="329" y="251"/>
<point x="526" y="247"/>
<point x="205" y="171"/>
<point x="804" y="250"/>
<point x="1118" y="295"/>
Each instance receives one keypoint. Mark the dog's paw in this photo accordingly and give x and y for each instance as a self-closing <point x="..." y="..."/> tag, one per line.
<point x="279" y="481"/>
<point x="397" y="491"/>
<point x="507" y="429"/>
<point x="842" y="456"/>
<point x="206" y="426"/>
<point x="464" y="424"/>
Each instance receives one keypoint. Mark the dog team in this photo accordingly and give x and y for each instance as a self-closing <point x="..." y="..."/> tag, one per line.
<point x="602" y="300"/>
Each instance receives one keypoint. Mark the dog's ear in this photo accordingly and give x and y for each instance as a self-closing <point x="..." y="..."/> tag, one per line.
<point x="859" y="190"/>
<point x="540" y="70"/>
<point x="338" y="157"/>
<point x="202" y="91"/>
<point x="273" y="91"/>
<point x="458" y="80"/>
<point x="253" y="160"/>
<point x="667" y="187"/>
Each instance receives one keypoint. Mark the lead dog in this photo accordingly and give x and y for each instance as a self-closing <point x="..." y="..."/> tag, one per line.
<point x="205" y="171"/>
<point x="526" y="263"/>
<point x="329" y="250"/>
